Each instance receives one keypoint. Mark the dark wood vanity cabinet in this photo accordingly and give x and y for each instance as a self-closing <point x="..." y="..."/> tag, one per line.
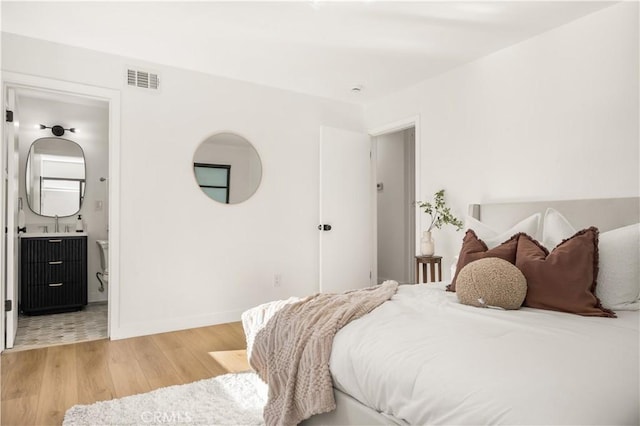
<point x="53" y="274"/>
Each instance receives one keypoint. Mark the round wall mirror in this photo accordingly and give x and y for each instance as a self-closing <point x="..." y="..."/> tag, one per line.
<point x="227" y="168"/>
<point x="55" y="177"/>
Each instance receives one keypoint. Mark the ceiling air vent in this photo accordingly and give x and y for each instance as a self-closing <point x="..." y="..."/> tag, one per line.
<point x="143" y="79"/>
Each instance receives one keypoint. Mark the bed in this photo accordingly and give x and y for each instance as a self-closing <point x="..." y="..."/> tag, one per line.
<point x="424" y="358"/>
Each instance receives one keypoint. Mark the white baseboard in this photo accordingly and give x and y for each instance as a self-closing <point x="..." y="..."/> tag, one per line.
<point x="173" y="324"/>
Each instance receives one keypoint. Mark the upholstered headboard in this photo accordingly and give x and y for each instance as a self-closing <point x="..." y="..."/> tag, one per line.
<point x="604" y="213"/>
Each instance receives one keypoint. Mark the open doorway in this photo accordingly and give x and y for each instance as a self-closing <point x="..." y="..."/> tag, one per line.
<point x="67" y="204"/>
<point x="395" y="189"/>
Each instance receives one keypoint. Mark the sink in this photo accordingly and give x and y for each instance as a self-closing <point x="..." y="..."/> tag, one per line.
<point x="52" y="234"/>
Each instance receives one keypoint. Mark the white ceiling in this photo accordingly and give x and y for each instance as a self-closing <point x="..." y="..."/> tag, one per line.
<point x="35" y="107"/>
<point x="316" y="47"/>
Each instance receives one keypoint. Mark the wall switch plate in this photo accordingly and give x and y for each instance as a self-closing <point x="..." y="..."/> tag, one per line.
<point x="99" y="205"/>
<point x="277" y="280"/>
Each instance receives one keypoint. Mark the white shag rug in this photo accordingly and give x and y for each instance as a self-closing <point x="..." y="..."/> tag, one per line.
<point x="232" y="399"/>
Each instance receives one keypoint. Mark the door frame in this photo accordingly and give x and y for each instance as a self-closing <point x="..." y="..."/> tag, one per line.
<point x="396" y="126"/>
<point x="9" y="215"/>
<point x="113" y="98"/>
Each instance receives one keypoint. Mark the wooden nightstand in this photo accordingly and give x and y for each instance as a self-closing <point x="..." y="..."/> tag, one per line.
<point x="432" y="261"/>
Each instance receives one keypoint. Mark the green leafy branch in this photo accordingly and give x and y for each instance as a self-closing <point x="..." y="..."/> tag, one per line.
<point x="438" y="211"/>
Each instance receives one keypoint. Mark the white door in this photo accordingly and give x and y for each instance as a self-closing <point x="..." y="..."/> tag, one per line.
<point x="346" y="248"/>
<point x="10" y="246"/>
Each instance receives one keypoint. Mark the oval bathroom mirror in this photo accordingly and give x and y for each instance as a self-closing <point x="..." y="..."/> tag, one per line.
<point x="227" y="168"/>
<point x="55" y="177"/>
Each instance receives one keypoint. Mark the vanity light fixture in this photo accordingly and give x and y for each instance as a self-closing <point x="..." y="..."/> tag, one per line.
<point x="57" y="130"/>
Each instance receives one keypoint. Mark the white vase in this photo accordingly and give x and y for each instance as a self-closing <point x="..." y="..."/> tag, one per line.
<point x="427" y="245"/>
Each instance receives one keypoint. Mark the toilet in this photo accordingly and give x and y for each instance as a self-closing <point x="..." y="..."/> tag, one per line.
<point x="103" y="276"/>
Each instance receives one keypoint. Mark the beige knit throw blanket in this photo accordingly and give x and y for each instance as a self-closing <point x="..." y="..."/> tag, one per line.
<point x="291" y="353"/>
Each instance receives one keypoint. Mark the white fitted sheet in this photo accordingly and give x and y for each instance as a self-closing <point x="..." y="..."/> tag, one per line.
<point x="426" y="359"/>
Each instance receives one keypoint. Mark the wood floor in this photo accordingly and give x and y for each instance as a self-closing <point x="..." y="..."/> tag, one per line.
<point x="39" y="385"/>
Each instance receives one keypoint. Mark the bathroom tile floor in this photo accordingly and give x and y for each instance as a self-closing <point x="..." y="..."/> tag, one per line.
<point x="56" y="329"/>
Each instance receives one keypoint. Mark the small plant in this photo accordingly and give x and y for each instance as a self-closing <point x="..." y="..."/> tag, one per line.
<point x="438" y="211"/>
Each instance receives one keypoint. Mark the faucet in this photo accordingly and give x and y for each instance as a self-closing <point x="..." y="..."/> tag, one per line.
<point x="57" y="225"/>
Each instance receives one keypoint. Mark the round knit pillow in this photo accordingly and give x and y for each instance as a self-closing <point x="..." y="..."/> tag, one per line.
<point x="491" y="282"/>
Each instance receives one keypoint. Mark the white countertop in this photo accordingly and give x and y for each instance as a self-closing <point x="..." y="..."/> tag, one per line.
<point x="52" y="234"/>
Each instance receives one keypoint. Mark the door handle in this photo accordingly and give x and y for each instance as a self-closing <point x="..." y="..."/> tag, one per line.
<point x="324" y="227"/>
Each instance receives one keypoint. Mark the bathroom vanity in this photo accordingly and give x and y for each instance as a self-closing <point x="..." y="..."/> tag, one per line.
<point x="53" y="272"/>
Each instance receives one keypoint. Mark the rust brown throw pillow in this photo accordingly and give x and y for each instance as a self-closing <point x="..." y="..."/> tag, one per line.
<point x="565" y="279"/>
<point x="473" y="248"/>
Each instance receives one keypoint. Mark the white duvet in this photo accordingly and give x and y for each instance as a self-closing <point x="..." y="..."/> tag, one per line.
<point x="424" y="358"/>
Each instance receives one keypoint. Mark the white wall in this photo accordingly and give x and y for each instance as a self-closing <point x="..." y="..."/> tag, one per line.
<point x="187" y="260"/>
<point x="92" y="137"/>
<point x="393" y="247"/>
<point x="553" y="117"/>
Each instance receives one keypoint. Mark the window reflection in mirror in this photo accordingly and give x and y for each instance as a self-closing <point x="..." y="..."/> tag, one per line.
<point x="55" y="177"/>
<point x="227" y="168"/>
<point x="214" y="180"/>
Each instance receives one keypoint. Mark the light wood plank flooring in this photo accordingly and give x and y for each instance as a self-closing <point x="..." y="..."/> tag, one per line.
<point x="39" y="385"/>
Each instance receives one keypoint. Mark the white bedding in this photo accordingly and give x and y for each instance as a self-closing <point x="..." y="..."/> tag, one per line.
<point x="424" y="358"/>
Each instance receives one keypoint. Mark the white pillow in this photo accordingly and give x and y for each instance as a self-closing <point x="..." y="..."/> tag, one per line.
<point x="619" y="274"/>
<point x="556" y="228"/>
<point x="493" y="238"/>
<point x="618" y="282"/>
